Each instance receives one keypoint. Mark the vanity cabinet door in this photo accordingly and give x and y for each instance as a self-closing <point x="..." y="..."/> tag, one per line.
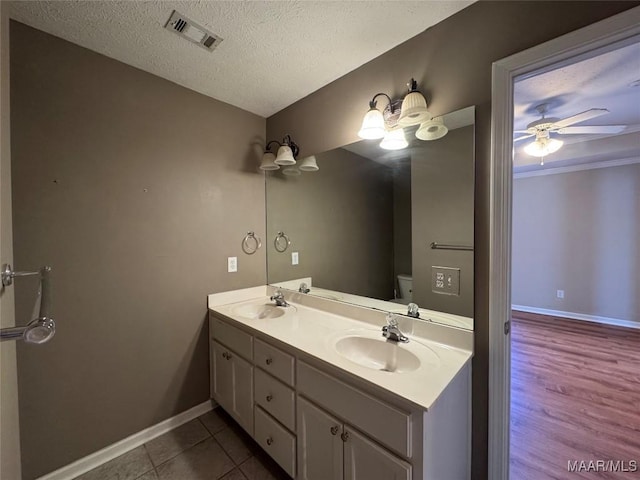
<point x="320" y="445"/>
<point x="364" y="460"/>
<point x="232" y="384"/>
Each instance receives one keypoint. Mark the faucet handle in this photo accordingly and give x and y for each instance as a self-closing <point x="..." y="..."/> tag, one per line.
<point x="392" y="320"/>
<point x="413" y="310"/>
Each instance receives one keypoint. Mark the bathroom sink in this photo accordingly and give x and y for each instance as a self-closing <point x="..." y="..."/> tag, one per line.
<point x="255" y="311"/>
<point x="377" y="354"/>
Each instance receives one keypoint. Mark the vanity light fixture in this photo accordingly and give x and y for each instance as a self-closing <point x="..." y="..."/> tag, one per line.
<point x="373" y="122"/>
<point x="394" y="140"/>
<point x="387" y="124"/>
<point x="414" y="107"/>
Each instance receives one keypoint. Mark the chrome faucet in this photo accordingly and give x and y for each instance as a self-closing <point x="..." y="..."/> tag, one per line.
<point x="413" y="310"/>
<point x="391" y="331"/>
<point x="278" y="297"/>
<point x="304" y="288"/>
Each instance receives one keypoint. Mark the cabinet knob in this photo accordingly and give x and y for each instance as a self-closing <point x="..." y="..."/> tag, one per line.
<point x="345" y="436"/>
<point x="224" y="355"/>
<point x="334" y="430"/>
<point x="269" y="361"/>
<point x="269" y="441"/>
<point x="229" y="356"/>
<point x="269" y="398"/>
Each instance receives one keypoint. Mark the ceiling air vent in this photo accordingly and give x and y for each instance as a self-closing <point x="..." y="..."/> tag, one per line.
<point x="191" y="31"/>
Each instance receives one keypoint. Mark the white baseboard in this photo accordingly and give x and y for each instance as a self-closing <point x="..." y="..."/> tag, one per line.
<point x="96" y="459"/>
<point x="616" y="322"/>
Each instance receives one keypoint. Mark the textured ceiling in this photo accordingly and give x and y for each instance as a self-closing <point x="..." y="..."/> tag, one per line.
<point x="608" y="80"/>
<point x="273" y="53"/>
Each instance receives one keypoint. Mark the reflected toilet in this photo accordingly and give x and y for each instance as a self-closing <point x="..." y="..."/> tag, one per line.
<point x="405" y="283"/>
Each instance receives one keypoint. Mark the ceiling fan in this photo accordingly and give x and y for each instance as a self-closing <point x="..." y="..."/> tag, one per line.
<point x="541" y="129"/>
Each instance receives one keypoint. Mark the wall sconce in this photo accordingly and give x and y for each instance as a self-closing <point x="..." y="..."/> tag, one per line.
<point x="388" y="124"/>
<point x="287" y="157"/>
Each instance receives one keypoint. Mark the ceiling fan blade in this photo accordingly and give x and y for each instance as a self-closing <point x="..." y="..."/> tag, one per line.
<point x="521" y="131"/>
<point x="595" y="129"/>
<point x="522" y="138"/>
<point x="580" y="117"/>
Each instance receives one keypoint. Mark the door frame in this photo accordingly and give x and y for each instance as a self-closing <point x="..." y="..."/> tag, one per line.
<point x="594" y="39"/>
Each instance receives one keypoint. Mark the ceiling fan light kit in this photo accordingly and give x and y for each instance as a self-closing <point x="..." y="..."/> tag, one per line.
<point x="542" y="129"/>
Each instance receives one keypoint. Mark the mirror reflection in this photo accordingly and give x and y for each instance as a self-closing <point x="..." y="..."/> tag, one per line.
<point x="381" y="228"/>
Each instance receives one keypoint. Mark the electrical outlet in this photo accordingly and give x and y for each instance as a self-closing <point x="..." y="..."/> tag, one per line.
<point x="295" y="259"/>
<point x="232" y="264"/>
<point x="560" y="293"/>
<point x="445" y="280"/>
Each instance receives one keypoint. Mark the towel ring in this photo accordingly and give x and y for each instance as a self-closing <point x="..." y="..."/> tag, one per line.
<point x="251" y="243"/>
<point x="281" y="242"/>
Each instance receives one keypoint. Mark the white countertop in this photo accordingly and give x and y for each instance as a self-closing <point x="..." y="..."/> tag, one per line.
<point x="315" y="332"/>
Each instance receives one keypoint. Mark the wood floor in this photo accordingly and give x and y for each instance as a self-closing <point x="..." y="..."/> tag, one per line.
<point x="575" y="395"/>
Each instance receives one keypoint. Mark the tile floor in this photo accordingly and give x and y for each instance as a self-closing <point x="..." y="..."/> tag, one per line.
<point x="210" y="447"/>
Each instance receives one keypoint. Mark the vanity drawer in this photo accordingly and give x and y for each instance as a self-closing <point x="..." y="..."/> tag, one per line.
<point x="276" y="398"/>
<point x="276" y="441"/>
<point x="278" y="363"/>
<point x="232" y="337"/>
<point x="385" y="423"/>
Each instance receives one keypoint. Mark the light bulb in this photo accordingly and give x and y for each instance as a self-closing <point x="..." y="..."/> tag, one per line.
<point x="394" y="140"/>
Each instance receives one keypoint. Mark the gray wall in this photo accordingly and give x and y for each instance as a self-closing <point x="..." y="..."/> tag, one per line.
<point x="134" y="190"/>
<point x="578" y="232"/>
<point x="340" y="220"/>
<point x="402" y="219"/>
<point x="9" y="426"/>
<point x="452" y="62"/>
<point x="442" y="192"/>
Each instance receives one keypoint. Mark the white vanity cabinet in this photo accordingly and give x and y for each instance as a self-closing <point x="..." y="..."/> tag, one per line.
<point x="331" y="449"/>
<point x="232" y="376"/>
<point x="319" y="422"/>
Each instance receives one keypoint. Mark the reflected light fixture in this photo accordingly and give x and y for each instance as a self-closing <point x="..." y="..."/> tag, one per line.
<point x="373" y="122"/>
<point x="394" y="140"/>
<point x="309" y="164"/>
<point x="543" y="145"/>
<point x="432" y="130"/>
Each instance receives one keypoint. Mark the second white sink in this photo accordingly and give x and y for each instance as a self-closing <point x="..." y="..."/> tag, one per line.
<point x="259" y="311"/>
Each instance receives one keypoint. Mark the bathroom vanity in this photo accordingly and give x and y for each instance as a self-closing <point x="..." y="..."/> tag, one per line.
<point x="322" y="392"/>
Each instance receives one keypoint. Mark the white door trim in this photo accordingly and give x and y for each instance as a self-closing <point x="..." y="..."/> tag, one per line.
<point x="607" y="34"/>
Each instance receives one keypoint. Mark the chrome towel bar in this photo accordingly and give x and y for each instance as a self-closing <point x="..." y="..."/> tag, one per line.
<point x="40" y="329"/>
<point x="444" y="246"/>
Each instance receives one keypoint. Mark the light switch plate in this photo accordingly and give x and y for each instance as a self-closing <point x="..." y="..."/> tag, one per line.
<point x="445" y="280"/>
<point x="294" y="258"/>
<point x="232" y="264"/>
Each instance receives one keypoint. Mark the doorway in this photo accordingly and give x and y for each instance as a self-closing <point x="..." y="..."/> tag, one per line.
<point x="597" y="38"/>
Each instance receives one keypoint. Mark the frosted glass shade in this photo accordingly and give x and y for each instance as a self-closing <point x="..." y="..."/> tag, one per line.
<point x="543" y="146"/>
<point x="309" y="164"/>
<point x="372" y="125"/>
<point x="292" y="171"/>
<point x="285" y="156"/>
<point x="268" y="162"/>
<point x="414" y="110"/>
<point x="432" y="130"/>
<point x="394" y="140"/>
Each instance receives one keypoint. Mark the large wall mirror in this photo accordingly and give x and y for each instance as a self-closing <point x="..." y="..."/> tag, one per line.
<point x="381" y="228"/>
